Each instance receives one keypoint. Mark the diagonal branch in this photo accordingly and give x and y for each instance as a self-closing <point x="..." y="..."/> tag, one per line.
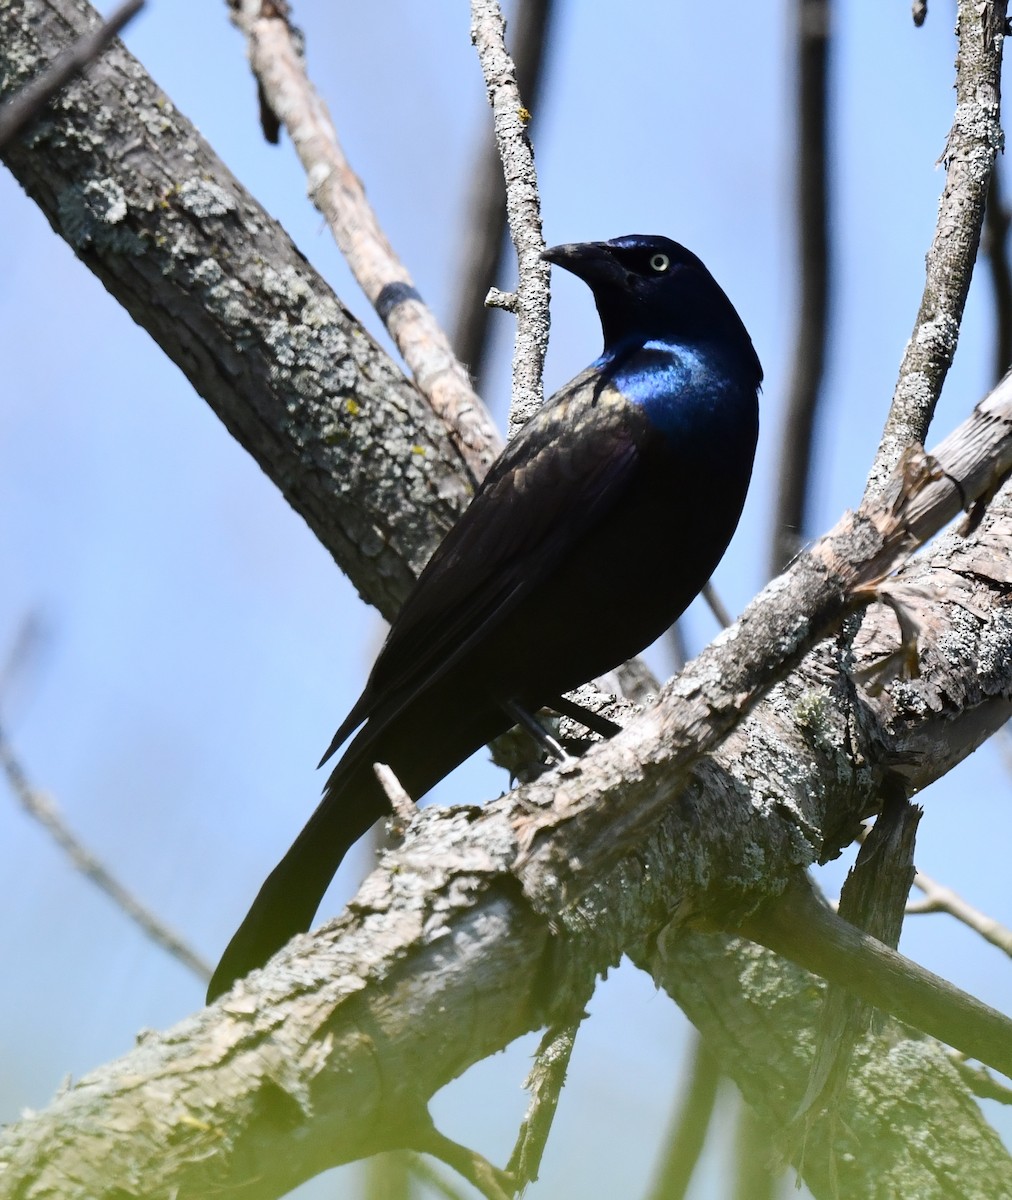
<point x="974" y="140"/>
<point x="939" y="898"/>
<point x="154" y="213"/>
<point x="43" y="810"/>
<point x="26" y="105"/>
<point x="337" y="192"/>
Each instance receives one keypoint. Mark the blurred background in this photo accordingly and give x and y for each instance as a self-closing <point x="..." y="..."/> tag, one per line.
<point x="177" y="650"/>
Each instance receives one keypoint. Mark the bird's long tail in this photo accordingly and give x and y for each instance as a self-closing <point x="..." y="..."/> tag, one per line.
<point x="421" y="745"/>
<point x="286" y="903"/>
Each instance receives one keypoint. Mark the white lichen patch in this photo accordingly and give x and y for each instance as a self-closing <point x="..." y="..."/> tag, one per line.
<point x="205" y="198"/>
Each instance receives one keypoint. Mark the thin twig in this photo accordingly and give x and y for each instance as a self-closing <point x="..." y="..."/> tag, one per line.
<point x="16" y="113"/>
<point x="425" y="1172"/>
<point x="46" y="813"/>
<point x="969" y="155"/>
<point x="276" y="59"/>
<point x="979" y="1079"/>
<point x="996" y="227"/>
<point x="812" y="47"/>
<point x="675" y="638"/>
<point x="939" y="898"/>
<point x="683" y="1142"/>
<point x="483" y="1175"/>
<point x="485" y="239"/>
<point x="717" y="606"/>
<point x="523" y="208"/>
<point x="544" y="1083"/>
<point x="404" y="808"/>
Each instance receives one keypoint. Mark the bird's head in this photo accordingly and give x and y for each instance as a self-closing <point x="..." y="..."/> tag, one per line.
<point x="648" y="287"/>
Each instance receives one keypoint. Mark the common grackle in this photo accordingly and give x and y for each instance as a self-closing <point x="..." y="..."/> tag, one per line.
<point x="590" y="534"/>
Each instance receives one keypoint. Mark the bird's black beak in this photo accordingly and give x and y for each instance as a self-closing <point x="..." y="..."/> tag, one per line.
<point x="593" y="262"/>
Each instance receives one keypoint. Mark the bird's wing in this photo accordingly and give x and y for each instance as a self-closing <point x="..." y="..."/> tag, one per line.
<point x="557" y="479"/>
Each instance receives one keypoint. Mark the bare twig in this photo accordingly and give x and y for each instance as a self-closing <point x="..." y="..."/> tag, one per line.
<point x="919" y="11"/>
<point x="523" y="208"/>
<point x="46" y="813"/>
<point x="969" y="155"/>
<point x="544" y="1084"/>
<point x="16" y="113"/>
<point x="424" y="1171"/>
<point x="812" y="45"/>
<point x="488" y="1179"/>
<point x="939" y="898"/>
<point x="675" y="638"/>
<point x="404" y="808"/>
<point x="486" y="222"/>
<point x="683" y="1142"/>
<point x="337" y="192"/>
<point x="996" y="226"/>
<point x="979" y="1079"/>
<point x="717" y="606"/>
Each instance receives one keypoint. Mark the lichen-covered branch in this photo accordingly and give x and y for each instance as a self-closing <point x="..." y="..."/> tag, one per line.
<point x="24" y="106"/>
<point x="484" y="238"/>
<point x="904" y="1125"/>
<point x="974" y="140"/>
<point x="336" y="191"/>
<point x="146" y="204"/>
<point x="523" y="208"/>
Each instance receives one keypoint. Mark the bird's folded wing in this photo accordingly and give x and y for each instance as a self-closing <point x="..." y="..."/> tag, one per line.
<point x="555" y="482"/>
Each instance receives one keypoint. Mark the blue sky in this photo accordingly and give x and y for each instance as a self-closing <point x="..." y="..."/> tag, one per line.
<point x="198" y="647"/>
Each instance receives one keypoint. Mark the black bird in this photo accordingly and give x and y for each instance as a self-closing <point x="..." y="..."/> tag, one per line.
<point x="591" y="533"/>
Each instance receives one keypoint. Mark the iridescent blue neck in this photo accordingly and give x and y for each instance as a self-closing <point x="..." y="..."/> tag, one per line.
<point x="684" y="388"/>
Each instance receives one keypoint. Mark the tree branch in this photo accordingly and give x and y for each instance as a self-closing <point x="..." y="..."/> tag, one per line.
<point x="523" y="208"/>
<point x="150" y="209"/>
<point x="812" y="34"/>
<point x="938" y="898"/>
<point x="722" y="684"/>
<point x="26" y="105"/>
<point x="905" y="1126"/>
<point x="974" y="140"/>
<point x="335" y="189"/>
<point x="483" y="243"/>
<point x="42" y="809"/>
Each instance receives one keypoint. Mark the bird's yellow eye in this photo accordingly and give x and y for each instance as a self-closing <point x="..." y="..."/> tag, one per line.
<point x="659" y="263"/>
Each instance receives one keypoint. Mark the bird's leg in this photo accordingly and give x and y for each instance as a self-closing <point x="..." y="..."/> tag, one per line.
<point x="537" y="731"/>
<point x="586" y="717"/>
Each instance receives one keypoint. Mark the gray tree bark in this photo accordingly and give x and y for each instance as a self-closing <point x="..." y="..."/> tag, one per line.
<point x="447" y="953"/>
